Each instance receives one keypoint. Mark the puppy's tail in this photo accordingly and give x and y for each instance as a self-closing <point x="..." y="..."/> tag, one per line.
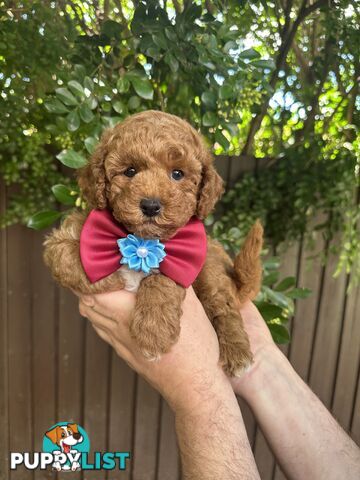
<point x="247" y="264"/>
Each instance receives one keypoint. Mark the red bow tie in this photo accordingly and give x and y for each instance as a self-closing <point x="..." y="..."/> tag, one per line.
<point x="184" y="258"/>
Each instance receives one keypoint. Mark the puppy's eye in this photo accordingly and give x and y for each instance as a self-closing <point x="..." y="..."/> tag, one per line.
<point x="130" y="172"/>
<point x="63" y="435"/>
<point x="177" y="174"/>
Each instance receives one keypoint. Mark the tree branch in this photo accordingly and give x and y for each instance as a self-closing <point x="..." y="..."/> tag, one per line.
<point x="281" y="58"/>
<point x="177" y="6"/>
<point x="106" y="9"/>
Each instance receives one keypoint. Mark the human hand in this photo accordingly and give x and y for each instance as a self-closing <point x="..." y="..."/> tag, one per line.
<point x="262" y="346"/>
<point x="188" y="373"/>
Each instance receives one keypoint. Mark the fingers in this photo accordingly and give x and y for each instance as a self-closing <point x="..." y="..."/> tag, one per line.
<point x="116" y="335"/>
<point x="98" y="318"/>
<point x="113" y="304"/>
<point x="116" y="330"/>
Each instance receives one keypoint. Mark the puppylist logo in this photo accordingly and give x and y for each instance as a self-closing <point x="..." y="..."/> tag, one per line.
<point x="66" y="448"/>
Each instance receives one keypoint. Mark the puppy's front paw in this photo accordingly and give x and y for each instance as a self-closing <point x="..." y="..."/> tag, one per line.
<point x="235" y="358"/>
<point x="154" y="335"/>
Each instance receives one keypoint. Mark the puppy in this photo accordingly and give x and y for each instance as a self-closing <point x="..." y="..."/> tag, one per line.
<point x="153" y="175"/>
<point x="65" y="437"/>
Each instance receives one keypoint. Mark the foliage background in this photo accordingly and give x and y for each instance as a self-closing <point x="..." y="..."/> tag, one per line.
<point x="275" y="80"/>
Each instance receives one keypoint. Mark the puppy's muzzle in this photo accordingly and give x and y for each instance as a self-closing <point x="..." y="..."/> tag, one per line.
<point x="150" y="206"/>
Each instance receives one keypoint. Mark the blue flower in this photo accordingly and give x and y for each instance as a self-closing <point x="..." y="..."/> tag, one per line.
<point x="140" y="254"/>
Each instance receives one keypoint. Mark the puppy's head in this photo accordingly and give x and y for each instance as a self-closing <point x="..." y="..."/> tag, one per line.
<point x="65" y="435"/>
<point x="154" y="173"/>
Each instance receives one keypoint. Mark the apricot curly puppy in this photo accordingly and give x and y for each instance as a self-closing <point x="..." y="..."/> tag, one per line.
<point x="152" y="174"/>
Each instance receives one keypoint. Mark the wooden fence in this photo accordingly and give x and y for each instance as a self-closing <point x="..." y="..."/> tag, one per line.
<point x="53" y="367"/>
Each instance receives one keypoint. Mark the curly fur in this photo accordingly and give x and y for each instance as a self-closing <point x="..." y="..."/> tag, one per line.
<point x="155" y="143"/>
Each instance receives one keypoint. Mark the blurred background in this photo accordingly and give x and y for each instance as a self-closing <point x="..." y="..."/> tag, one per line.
<point x="274" y="89"/>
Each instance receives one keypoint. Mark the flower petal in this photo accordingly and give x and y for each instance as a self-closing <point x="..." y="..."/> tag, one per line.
<point x="133" y="239"/>
<point x="134" y="262"/>
<point x="144" y="266"/>
<point x="152" y="260"/>
<point x="160" y="253"/>
<point x="128" y="250"/>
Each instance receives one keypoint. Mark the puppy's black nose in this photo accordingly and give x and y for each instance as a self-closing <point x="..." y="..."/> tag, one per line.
<point x="76" y="435"/>
<point x="150" y="206"/>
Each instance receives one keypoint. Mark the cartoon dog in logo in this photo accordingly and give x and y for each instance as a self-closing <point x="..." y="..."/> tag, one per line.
<point x="65" y="436"/>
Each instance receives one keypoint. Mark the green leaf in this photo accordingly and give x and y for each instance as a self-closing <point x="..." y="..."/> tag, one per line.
<point x="225" y="92"/>
<point x="279" y="333"/>
<point x="66" y="97"/>
<point x="76" y="88"/>
<point x="134" y="103"/>
<point x="123" y="85"/>
<point x="106" y="106"/>
<point x="112" y="29"/>
<point x="269" y="311"/>
<point x="85" y="113"/>
<point x="110" y="122"/>
<point x="278" y="298"/>
<point x="91" y="102"/>
<point x="89" y="84"/>
<point x="160" y="40"/>
<point x="143" y="87"/>
<point x="250" y="53"/>
<point x="285" y="284"/>
<point x="154" y="52"/>
<point x="230" y="45"/>
<point x="71" y="159"/>
<point x="90" y="144"/>
<point x="73" y="121"/>
<point x="265" y="64"/>
<point x="62" y="193"/>
<point x="271" y="278"/>
<point x="55" y="106"/>
<point x="221" y="139"/>
<point x="209" y="99"/>
<point x="299" y="293"/>
<point x="171" y="34"/>
<point x="209" y="119"/>
<point x="43" y="219"/>
<point x="172" y="62"/>
<point x="119" y="107"/>
<point x="271" y="263"/>
<point x="232" y="128"/>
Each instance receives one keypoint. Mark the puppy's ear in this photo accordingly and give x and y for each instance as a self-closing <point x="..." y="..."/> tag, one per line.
<point x="211" y="188"/>
<point x="74" y="427"/>
<point x="52" y="434"/>
<point x="91" y="178"/>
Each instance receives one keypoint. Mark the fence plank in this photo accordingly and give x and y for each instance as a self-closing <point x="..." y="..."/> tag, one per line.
<point x="4" y="349"/>
<point x="249" y="421"/>
<point x="347" y="371"/>
<point x="146" y="432"/>
<point x="122" y="401"/>
<point x="20" y="355"/>
<point x="97" y="378"/>
<point x="168" y="456"/>
<point x="304" y="324"/>
<point x="43" y="347"/>
<point x="355" y="423"/>
<point x="323" y="363"/>
<point x="69" y="359"/>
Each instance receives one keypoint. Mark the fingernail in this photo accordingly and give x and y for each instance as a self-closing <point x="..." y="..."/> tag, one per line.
<point x="88" y="300"/>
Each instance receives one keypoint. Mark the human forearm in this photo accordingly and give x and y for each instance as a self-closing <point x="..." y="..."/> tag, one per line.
<point x="214" y="425"/>
<point x="303" y="435"/>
